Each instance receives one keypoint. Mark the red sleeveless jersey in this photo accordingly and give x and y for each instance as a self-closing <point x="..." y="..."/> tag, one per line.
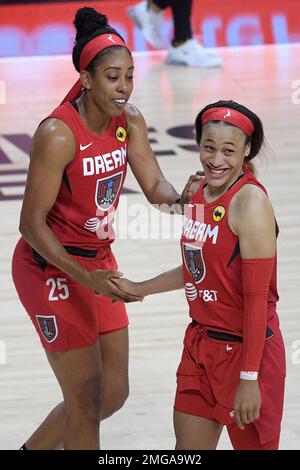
<point x="212" y="262"/>
<point x="89" y="194"/>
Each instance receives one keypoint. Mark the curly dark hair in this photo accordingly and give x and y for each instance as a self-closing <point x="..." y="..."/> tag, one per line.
<point x="89" y="24"/>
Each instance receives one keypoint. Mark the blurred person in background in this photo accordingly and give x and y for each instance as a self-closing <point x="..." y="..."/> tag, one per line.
<point x="184" y="49"/>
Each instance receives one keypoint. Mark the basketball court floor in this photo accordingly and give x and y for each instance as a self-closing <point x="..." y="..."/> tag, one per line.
<point x="266" y="79"/>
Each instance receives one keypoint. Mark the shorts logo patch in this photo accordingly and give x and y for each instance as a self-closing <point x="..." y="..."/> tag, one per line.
<point x="107" y="191"/>
<point x="218" y="213"/>
<point x="193" y="259"/>
<point x="48" y="327"/>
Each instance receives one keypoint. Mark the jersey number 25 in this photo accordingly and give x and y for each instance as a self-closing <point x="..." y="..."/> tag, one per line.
<point x="58" y="287"/>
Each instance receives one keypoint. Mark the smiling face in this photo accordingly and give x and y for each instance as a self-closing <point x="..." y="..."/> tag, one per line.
<point x="110" y="87"/>
<point x="222" y="152"/>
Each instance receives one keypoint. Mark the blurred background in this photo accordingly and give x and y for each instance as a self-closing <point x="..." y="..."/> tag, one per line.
<point x="46" y="28"/>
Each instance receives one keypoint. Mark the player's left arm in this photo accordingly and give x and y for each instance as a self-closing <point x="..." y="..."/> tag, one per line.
<point x="252" y="219"/>
<point x="144" y="164"/>
<point x="164" y="282"/>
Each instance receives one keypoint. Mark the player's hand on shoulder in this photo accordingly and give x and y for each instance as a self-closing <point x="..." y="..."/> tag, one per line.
<point x="191" y="187"/>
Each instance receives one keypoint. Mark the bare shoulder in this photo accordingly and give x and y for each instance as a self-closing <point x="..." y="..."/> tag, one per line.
<point x="250" y="199"/>
<point x="251" y="218"/>
<point x="53" y="127"/>
<point x="54" y="136"/>
<point x="250" y="210"/>
<point x="133" y="116"/>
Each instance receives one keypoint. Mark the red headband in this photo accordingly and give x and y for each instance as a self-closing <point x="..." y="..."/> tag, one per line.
<point x="88" y="53"/>
<point x="229" y="115"/>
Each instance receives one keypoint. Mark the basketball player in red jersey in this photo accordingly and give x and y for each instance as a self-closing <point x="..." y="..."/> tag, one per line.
<point x="63" y="265"/>
<point x="232" y="370"/>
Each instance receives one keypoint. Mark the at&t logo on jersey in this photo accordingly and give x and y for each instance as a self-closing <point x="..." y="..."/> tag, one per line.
<point x="208" y="295"/>
<point x="190" y="291"/>
<point x="107" y="190"/>
<point x="92" y="224"/>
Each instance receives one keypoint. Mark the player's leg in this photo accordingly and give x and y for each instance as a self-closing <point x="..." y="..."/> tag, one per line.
<point x="148" y="17"/>
<point x="114" y="352"/>
<point x="80" y="375"/>
<point x="49" y="435"/>
<point x="194" y="399"/>
<point x="185" y="50"/>
<point x="181" y="11"/>
<point x="196" y="433"/>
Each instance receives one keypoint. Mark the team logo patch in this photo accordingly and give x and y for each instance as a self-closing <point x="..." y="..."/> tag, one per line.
<point x="48" y="327"/>
<point x="193" y="259"/>
<point x="107" y="191"/>
<point x="121" y="134"/>
<point x="218" y="213"/>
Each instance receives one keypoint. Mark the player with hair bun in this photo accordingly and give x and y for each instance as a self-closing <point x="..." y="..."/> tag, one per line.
<point x="63" y="266"/>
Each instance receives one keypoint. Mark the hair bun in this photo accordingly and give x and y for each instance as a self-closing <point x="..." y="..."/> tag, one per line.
<point x="87" y="21"/>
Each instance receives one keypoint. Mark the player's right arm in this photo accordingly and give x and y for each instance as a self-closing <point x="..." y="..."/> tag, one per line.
<point x="165" y="282"/>
<point x="53" y="148"/>
<point x="145" y="167"/>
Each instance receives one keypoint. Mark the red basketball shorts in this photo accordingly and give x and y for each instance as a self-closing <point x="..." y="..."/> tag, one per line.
<point x="209" y="374"/>
<point x="66" y="314"/>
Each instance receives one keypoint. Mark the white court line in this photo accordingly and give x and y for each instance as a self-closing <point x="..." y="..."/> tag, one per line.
<point x="152" y="53"/>
<point x="13" y="190"/>
<point x="12" y="178"/>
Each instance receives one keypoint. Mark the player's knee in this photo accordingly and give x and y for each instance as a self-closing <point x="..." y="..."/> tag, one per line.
<point x="117" y="397"/>
<point x="121" y="396"/>
<point x="86" y="400"/>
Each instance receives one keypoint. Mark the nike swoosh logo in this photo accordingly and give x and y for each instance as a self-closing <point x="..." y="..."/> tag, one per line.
<point x="83" y="147"/>
<point x="228" y="348"/>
